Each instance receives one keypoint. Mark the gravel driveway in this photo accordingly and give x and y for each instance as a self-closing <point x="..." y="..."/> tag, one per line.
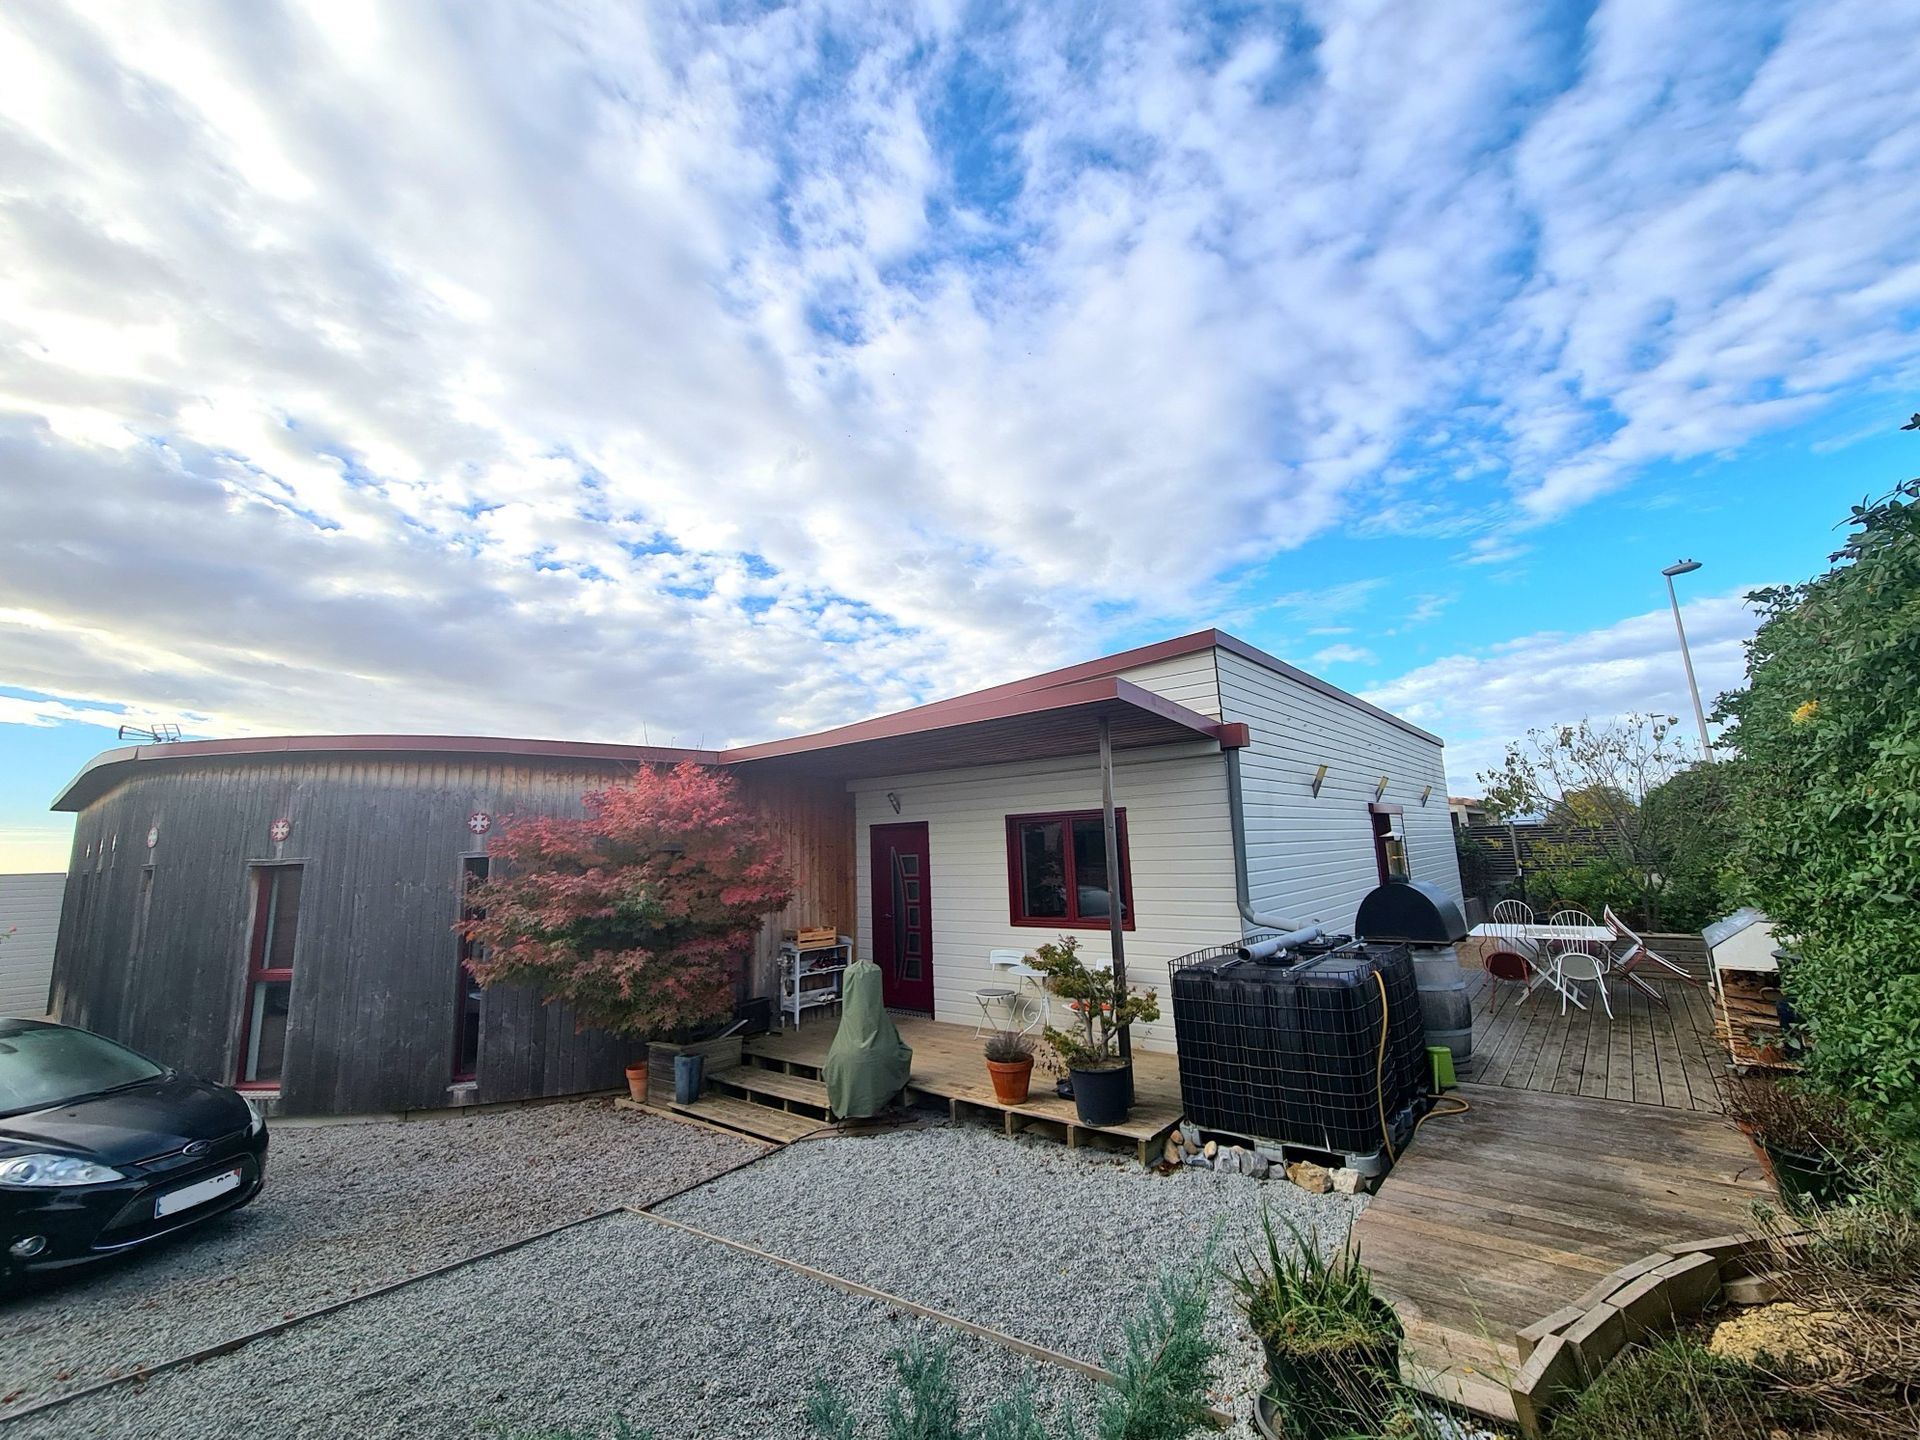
<point x="347" y="1208"/>
<point x="617" y="1317"/>
<point x="620" y="1316"/>
<point x="1052" y="1245"/>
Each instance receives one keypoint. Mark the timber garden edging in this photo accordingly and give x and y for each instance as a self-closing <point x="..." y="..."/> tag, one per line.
<point x="1564" y="1352"/>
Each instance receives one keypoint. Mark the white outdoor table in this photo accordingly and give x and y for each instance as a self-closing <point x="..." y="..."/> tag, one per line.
<point x="1543" y="975"/>
<point x="1028" y="979"/>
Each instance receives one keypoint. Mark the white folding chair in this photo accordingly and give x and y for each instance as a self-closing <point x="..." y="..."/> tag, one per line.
<point x="1003" y="996"/>
<point x="1578" y="962"/>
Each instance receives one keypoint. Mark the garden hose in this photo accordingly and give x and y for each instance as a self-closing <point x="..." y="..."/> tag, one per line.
<point x="1380" y="1071"/>
<point x="1438" y="1101"/>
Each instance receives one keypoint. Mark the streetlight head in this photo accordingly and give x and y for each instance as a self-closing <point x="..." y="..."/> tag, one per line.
<point x="1681" y="567"/>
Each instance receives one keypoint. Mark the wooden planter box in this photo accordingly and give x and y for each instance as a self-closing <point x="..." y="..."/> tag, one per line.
<point x="722" y="1054"/>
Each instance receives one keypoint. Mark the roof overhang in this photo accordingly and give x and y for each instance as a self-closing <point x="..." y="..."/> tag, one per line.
<point x="1053" y="724"/>
<point x="1058" y="722"/>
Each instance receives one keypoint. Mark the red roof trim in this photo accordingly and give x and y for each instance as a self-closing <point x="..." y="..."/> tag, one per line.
<point x="1089" y="682"/>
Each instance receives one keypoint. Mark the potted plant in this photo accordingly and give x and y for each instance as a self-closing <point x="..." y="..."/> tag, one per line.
<point x="1010" y="1064"/>
<point x="1810" y="1140"/>
<point x="1332" y="1345"/>
<point x="1090" y="1051"/>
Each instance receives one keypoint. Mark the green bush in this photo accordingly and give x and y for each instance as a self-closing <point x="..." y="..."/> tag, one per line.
<point x="1827" y="790"/>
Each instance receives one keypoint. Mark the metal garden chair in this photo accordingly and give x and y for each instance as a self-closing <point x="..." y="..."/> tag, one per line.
<point x="1579" y="961"/>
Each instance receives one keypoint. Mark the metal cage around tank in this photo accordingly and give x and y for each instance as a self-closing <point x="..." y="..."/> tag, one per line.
<point x="1319" y="1047"/>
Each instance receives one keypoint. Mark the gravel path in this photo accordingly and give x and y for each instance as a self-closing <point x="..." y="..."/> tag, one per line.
<point x="347" y="1208"/>
<point x="979" y="1226"/>
<point x="617" y="1317"/>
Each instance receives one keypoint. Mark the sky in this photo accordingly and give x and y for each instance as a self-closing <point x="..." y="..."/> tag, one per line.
<point x="685" y="373"/>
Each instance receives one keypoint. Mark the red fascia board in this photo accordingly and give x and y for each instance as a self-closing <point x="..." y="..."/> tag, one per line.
<point x="951" y="714"/>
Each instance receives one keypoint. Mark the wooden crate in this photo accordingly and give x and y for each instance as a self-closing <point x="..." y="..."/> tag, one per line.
<point x="1746" y="1005"/>
<point x="817" y="937"/>
<point x="722" y="1054"/>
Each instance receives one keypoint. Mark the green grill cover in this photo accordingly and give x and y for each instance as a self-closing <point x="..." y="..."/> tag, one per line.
<point x="868" y="1063"/>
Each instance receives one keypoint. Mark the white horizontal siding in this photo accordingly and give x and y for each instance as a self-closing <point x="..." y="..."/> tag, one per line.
<point x="1189" y="680"/>
<point x="1179" y="843"/>
<point x="30" y="910"/>
<point x="1312" y="857"/>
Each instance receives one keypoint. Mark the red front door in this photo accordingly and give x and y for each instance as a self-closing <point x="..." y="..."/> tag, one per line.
<point x="903" y="916"/>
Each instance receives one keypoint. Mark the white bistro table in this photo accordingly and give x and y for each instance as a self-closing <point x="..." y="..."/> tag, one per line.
<point x="1538" y="934"/>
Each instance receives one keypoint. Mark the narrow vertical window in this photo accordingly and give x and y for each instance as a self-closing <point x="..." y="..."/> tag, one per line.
<point x="467" y="990"/>
<point x="270" y="950"/>
<point x="1390" y="844"/>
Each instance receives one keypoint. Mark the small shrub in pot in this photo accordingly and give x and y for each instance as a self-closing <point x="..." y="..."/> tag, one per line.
<point x="1090" y="1051"/>
<point x="1332" y="1345"/>
<point x="1010" y="1064"/>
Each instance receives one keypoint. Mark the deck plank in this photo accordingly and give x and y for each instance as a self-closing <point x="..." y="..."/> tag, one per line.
<point x="1496" y="1217"/>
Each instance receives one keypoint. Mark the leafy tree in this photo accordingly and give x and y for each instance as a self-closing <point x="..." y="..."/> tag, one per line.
<point x="635" y="914"/>
<point x="1597" y="777"/>
<point x="1827" y="782"/>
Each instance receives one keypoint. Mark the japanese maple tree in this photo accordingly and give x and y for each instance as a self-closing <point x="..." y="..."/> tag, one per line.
<point x="637" y="913"/>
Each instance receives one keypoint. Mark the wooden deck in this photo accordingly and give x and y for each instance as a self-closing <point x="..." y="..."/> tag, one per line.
<point x="1645" y="1055"/>
<point x="1496" y="1218"/>
<point x="948" y="1066"/>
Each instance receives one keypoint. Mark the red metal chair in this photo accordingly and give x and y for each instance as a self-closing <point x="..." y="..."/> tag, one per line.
<point x="1510" y="966"/>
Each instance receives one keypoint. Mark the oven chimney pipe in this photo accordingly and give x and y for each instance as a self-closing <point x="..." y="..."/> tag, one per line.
<point x="1297" y="932"/>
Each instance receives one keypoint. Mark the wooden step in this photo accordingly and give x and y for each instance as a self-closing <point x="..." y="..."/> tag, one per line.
<point x="770" y="1087"/>
<point x="760" y="1121"/>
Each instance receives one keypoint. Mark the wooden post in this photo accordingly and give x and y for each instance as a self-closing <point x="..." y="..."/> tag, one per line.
<point x="1116" y="925"/>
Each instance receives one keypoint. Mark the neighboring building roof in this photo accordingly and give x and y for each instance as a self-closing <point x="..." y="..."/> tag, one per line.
<point x="1042" y="716"/>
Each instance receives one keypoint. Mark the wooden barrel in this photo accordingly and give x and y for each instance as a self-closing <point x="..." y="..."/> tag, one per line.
<point x="1446" y="1010"/>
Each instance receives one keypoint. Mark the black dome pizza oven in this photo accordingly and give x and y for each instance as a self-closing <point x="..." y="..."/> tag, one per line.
<point x="1411" y="913"/>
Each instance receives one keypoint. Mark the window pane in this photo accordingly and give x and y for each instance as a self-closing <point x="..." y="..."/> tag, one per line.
<point x="1043" y="871"/>
<point x="1090" y="868"/>
<point x="284" y="918"/>
<point x="267" y="1030"/>
<point x="466" y="1060"/>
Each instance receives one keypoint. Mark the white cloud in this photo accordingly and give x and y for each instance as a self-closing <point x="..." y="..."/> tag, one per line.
<point x="1481" y="699"/>
<point x="1345" y="655"/>
<point x="583" y="370"/>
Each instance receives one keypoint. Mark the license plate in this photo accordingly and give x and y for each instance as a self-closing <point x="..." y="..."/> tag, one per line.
<point x="188" y="1196"/>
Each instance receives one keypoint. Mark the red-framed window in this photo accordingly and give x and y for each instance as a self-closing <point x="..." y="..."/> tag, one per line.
<point x="271" y="942"/>
<point x="1057" y="870"/>
<point x="1389" y="843"/>
<point x="468" y="993"/>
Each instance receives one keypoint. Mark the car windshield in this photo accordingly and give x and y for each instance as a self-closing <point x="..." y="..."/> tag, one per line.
<point x="42" y="1065"/>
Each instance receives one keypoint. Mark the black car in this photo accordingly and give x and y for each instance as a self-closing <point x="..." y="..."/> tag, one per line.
<point x="103" y="1150"/>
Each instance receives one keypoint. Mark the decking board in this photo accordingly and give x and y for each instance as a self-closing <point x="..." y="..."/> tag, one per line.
<point x="1497" y="1217"/>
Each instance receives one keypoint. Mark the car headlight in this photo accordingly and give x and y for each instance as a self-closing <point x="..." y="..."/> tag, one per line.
<point x="256" y="1119"/>
<point x="54" y="1170"/>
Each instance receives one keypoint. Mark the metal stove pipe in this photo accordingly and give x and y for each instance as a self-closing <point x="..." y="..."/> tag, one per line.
<point x="1298" y="932"/>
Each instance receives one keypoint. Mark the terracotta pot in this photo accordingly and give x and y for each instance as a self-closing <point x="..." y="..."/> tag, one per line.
<point x="1011" y="1079"/>
<point x="637" y="1083"/>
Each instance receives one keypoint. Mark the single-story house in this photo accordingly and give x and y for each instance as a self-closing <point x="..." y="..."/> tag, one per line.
<point x="279" y="911"/>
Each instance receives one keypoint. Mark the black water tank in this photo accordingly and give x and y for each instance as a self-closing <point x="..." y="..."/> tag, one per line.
<point x="1289" y="1050"/>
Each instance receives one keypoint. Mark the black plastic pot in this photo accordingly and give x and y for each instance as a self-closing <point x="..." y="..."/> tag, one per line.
<point x="1103" y="1097"/>
<point x="1808" y="1182"/>
<point x="1333" y="1392"/>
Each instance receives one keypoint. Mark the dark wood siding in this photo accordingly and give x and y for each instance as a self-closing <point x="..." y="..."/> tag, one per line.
<point x="372" y="1010"/>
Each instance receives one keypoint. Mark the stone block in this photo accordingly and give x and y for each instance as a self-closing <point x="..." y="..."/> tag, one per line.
<point x="1693" y="1283"/>
<point x="1595" y="1338"/>
<point x="1760" y="1289"/>
<point x="1547" y="1325"/>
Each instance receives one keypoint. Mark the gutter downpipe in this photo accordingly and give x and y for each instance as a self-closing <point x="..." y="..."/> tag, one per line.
<point x="1297" y="932"/>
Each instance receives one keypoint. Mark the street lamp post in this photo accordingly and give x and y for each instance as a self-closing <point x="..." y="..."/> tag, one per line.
<point x="1687" y="567"/>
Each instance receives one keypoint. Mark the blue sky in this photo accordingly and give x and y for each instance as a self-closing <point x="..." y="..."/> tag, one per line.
<point x="707" y="373"/>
